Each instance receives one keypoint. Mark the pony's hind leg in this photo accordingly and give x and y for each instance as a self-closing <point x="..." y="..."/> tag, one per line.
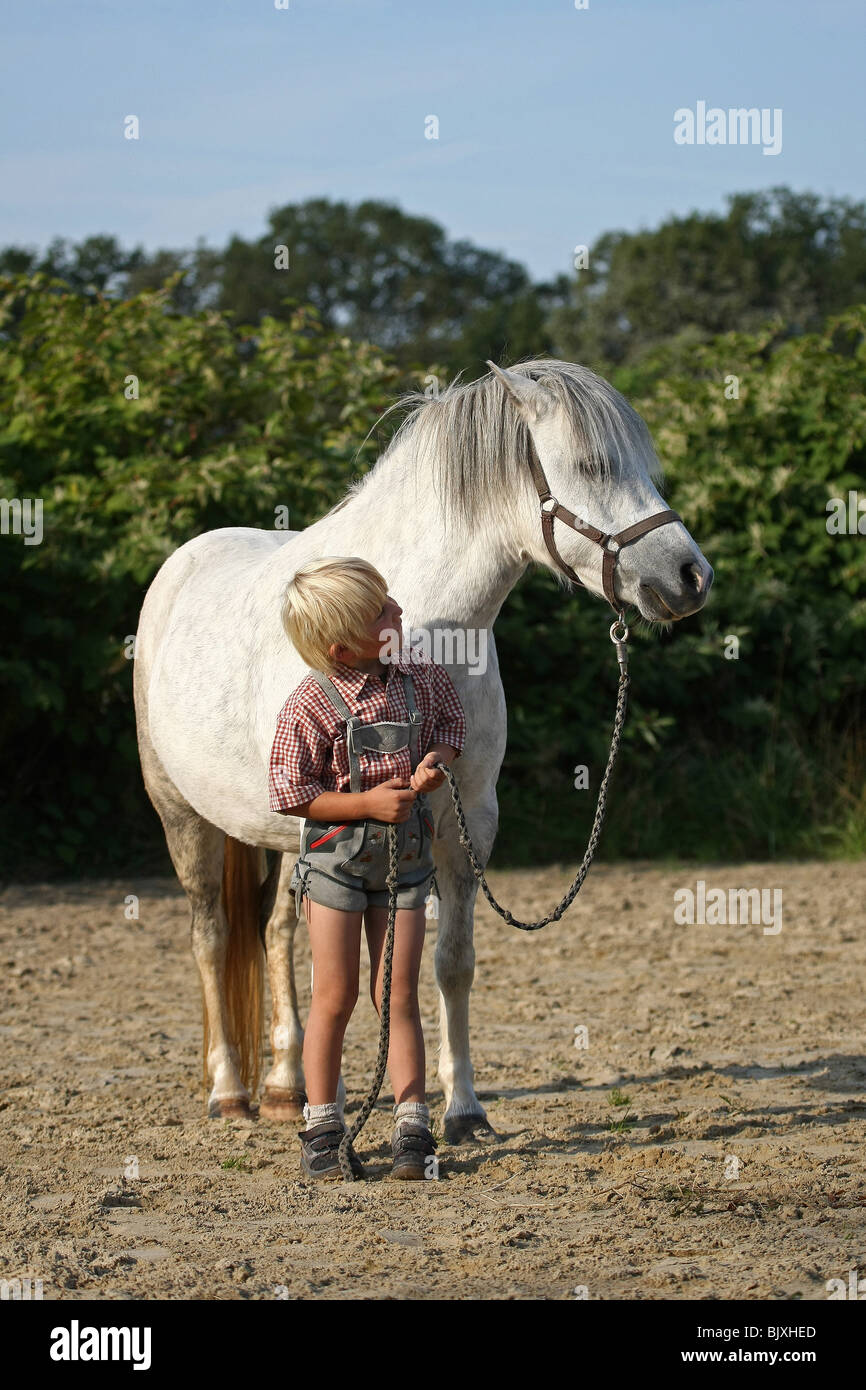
<point x="197" y="851"/>
<point x="200" y="854"/>
<point x="283" y="1097"/>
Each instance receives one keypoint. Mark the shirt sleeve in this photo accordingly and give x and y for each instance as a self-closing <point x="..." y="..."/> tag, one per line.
<point x="450" y="722"/>
<point x="298" y="757"/>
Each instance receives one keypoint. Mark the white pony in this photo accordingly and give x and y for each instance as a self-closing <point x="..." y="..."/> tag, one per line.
<point x="450" y="517"/>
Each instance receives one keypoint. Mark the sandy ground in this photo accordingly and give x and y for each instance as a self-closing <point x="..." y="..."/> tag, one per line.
<point x="734" y="1169"/>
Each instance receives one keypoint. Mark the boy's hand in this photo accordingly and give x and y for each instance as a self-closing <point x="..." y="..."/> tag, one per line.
<point x="389" y="801"/>
<point x="427" y="776"/>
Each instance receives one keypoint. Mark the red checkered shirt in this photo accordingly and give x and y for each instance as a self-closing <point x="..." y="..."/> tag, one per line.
<point x="309" y="754"/>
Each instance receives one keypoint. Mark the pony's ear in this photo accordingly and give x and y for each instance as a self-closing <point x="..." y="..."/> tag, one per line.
<point x="532" y="399"/>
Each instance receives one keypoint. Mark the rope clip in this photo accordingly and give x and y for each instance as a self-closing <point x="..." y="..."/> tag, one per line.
<point x="619" y="640"/>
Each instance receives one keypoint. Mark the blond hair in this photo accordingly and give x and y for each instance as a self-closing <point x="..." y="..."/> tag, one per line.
<point x="329" y="601"/>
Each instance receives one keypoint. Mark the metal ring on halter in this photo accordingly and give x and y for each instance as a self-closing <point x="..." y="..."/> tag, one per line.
<point x="621" y="623"/>
<point x="552" y="499"/>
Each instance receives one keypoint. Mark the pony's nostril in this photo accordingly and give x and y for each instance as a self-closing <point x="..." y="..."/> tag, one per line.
<point x="694" y="577"/>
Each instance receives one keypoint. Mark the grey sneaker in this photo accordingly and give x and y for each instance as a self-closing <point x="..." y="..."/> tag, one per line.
<point x="412" y="1146"/>
<point x="319" y="1153"/>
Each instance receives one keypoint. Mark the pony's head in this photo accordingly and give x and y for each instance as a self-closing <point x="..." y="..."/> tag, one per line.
<point x="599" y="464"/>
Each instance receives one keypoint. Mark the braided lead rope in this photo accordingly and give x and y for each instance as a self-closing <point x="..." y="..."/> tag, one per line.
<point x="619" y="637"/>
<point x="385" y="1012"/>
<point x="619" y="642"/>
<point x="598" y="822"/>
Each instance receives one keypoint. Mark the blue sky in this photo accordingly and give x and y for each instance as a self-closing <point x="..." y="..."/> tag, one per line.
<point x="555" y="124"/>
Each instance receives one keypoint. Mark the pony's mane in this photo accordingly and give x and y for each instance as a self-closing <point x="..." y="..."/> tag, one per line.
<point x="476" y="443"/>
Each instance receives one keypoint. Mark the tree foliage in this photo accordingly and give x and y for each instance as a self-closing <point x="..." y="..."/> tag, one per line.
<point x="775" y="255"/>
<point x="380" y="275"/>
<point x="371" y="271"/>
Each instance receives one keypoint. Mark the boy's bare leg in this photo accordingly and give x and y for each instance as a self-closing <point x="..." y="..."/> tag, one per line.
<point x="335" y="941"/>
<point x="406" y="1051"/>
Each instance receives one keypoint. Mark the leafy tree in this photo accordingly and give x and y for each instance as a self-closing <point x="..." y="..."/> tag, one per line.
<point x="777" y="255"/>
<point x="195" y="277"/>
<point x="383" y="276"/>
<point x="380" y="275"/>
<point x="96" y="265"/>
<point x="371" y="271"/>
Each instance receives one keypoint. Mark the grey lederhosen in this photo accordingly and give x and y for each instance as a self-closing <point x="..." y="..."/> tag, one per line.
<point x="345" y="864"/>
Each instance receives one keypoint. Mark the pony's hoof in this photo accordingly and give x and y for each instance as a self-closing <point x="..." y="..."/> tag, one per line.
<point x="279" y="1103"/>
<point x="233" y="1108"/>
<point x="469" y="1129"/>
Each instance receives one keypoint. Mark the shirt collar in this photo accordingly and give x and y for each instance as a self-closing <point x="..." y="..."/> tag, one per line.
<point x="354" y="681"/>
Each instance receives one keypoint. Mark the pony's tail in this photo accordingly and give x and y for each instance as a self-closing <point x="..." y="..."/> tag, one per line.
<point x="243" y="874"/>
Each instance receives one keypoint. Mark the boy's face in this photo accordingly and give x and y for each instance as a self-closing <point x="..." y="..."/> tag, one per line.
<point x="385" y="623"/>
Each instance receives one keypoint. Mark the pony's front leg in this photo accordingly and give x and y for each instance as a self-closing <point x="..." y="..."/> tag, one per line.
<point x="283" y="1097"/>
<point x="465" y="1118"/>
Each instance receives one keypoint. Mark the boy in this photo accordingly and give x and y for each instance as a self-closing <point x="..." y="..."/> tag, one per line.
<point x="355" y="750"/>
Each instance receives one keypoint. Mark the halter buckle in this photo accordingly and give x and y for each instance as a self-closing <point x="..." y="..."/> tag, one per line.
<point x="549" y="498"/>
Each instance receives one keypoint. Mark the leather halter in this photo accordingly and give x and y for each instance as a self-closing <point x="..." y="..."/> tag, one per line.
<point x="610" y="544"/>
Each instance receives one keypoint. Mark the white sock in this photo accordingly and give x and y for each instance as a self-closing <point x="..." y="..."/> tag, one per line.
<point x="316" y="1114"/>
<point x="414" y="1110"/>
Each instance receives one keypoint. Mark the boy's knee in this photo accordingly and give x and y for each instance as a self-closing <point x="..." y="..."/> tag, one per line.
<point x="338" y="1005"/>
<point x="403" y="1003"/>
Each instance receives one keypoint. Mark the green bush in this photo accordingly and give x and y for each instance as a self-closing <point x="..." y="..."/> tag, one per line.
<point x="226" y="428"/>
<point x="761" y="756"/>
<point x="757" y="757"/>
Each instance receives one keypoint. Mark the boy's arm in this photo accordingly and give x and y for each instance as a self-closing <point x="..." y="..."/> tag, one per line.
<point x="449" y="729"/>
<point x="334" y="806"/>
<point x="297" y="762"/>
